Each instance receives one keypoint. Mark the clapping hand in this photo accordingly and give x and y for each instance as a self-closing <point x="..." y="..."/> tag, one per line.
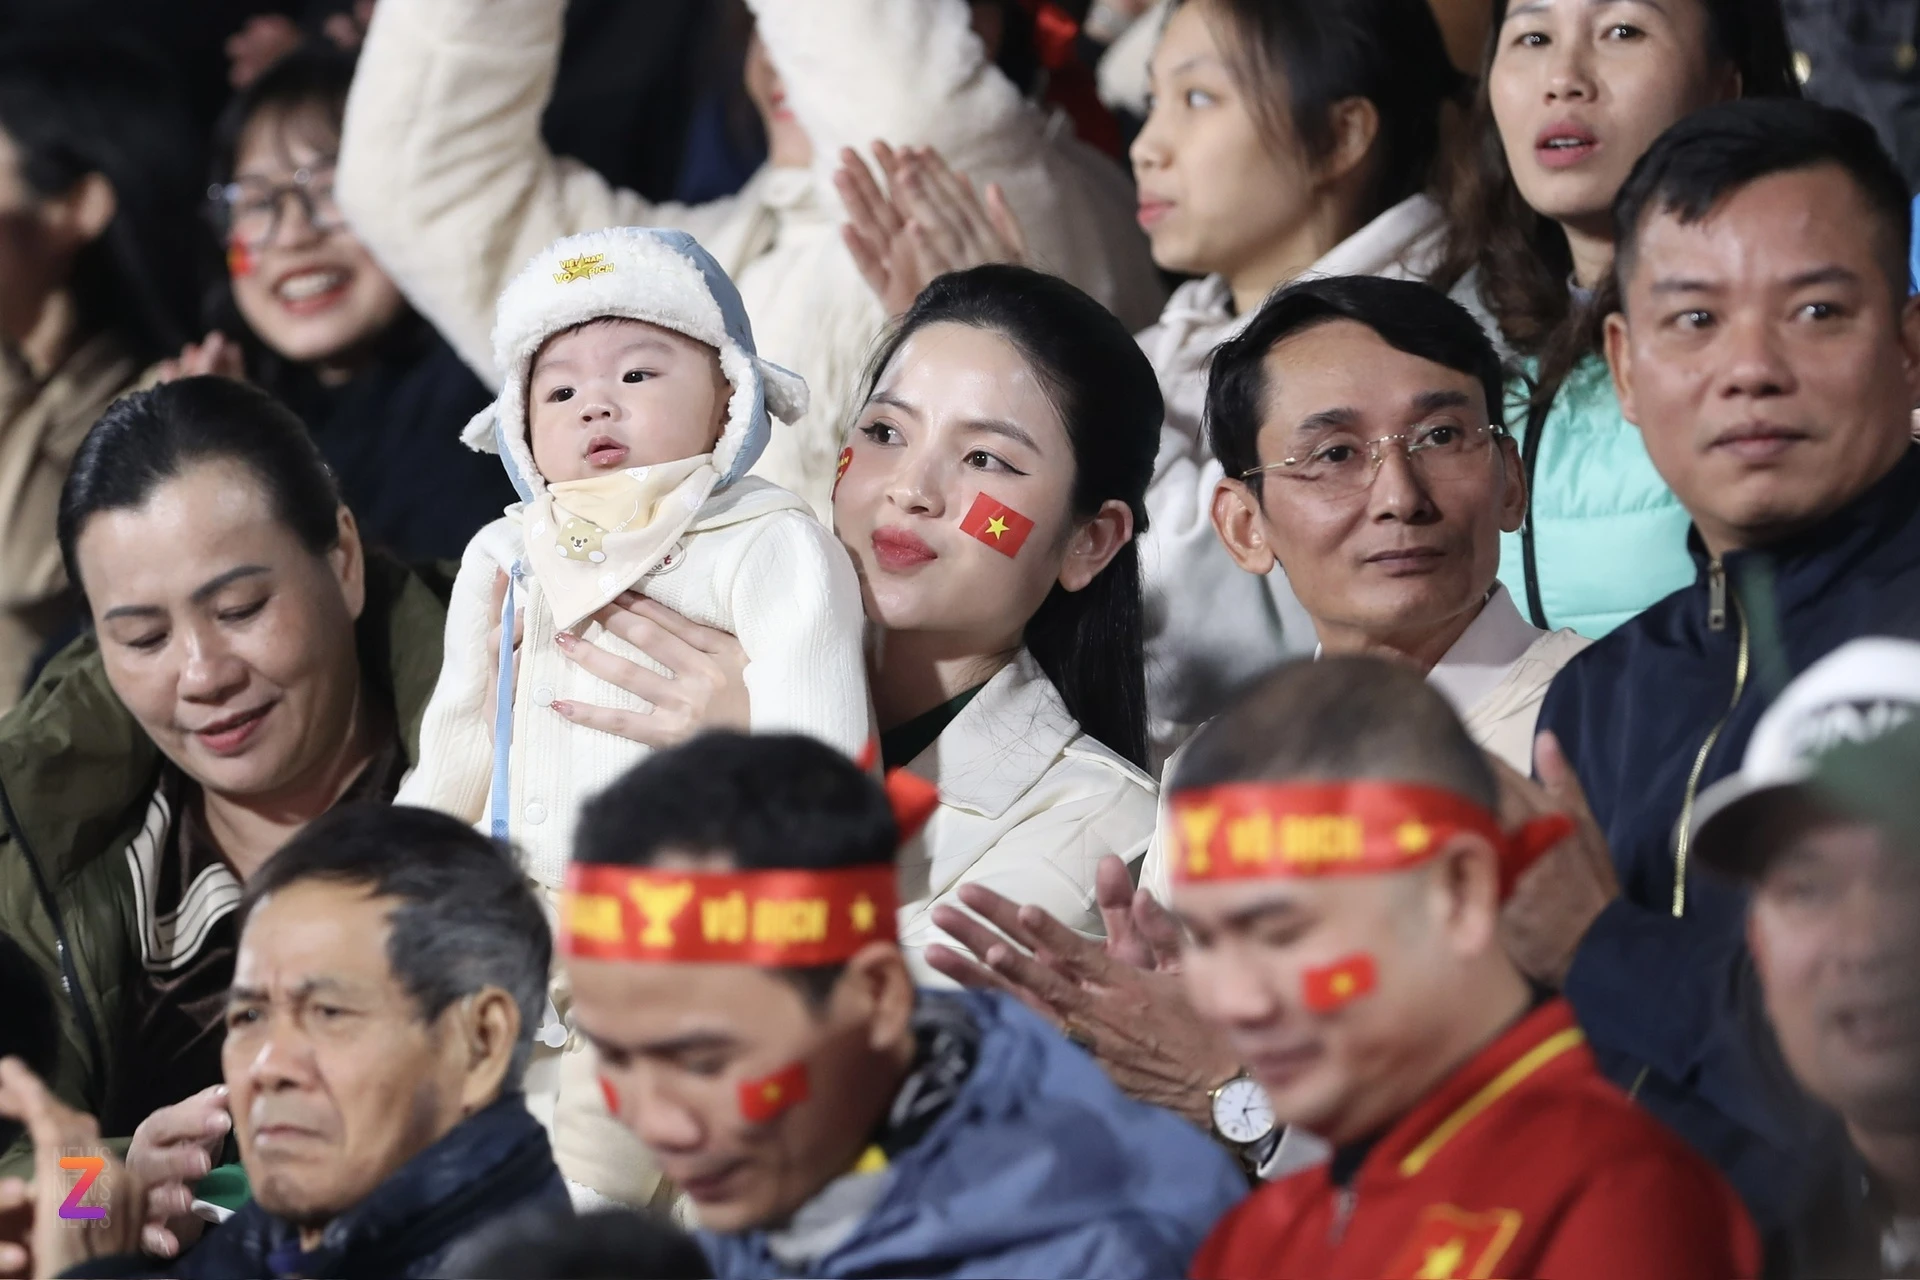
<point x="1558" y="898"/>
<point x="1122" y="1000"/>
<point x="928" y="220"/>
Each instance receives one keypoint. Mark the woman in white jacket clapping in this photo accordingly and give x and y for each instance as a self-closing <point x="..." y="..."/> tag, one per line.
<point x="1281" y="141"/>
<point x="444" y="176"/>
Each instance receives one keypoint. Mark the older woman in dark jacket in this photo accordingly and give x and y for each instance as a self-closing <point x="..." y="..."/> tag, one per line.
<point x="248" y="669"/>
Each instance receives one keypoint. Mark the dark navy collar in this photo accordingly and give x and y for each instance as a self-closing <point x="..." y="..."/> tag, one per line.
<point x="490" y="1162"/>
<point x="1815" y="556"/>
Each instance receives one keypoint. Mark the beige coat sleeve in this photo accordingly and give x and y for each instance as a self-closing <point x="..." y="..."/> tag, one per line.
<point x="443" y="172"/>
<point x="912" y="72"/>
<point x="797" y="612"/>
<point x="456" y="735"/>
<point x="1047" y="860"/>
<point x="909" y="71"/>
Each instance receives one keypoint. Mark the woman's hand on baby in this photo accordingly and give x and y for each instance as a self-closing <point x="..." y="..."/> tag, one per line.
<point x="930" y="220"/>
<point x="706" y="690"/>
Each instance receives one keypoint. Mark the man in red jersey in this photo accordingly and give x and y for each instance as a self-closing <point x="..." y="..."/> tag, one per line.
<point x="1340" y="870"/>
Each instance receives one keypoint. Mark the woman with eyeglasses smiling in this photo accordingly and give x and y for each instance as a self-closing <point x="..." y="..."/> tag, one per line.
<point x="311" y="317"/>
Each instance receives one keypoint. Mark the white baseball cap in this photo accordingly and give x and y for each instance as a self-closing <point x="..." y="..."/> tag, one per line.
<point x="1855" y="694"/>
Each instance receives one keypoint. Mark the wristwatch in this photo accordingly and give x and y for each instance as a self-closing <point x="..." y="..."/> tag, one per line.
<point x="1242" y="1116"/>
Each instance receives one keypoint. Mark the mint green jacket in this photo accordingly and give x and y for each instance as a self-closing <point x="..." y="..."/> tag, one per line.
<point x="1609" y="537"/>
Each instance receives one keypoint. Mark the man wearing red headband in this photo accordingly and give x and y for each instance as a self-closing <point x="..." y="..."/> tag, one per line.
<point x="728" y="929"/>
<point x="1340" y="871"/>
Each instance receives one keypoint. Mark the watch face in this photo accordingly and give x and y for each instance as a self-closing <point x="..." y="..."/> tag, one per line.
<point x="1241" y="1111"/>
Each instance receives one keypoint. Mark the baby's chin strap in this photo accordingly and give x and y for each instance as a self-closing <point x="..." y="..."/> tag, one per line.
<point x="553" y="1031"/>
<point x="500" y="793"/>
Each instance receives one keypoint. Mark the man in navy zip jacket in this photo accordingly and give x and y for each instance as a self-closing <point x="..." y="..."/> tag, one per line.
<point x="1768" y="351"/>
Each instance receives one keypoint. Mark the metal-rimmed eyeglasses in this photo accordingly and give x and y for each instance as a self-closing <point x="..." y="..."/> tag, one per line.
<point x="248" y="211"/>
<point x="1343" y="464"/>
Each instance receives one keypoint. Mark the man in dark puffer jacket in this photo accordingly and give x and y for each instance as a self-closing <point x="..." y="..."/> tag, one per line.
<point x="1770" y="354"/>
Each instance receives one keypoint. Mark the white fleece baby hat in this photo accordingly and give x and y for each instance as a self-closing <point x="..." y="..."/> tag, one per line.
<point x="638" y="273"/>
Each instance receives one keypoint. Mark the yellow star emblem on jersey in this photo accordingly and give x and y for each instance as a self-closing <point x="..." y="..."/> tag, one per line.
<point x="1413" y="837"/>
<point x="996" y="526"/>
<point x="1442" y="1262"/>
<point x="581" y="268"/>
<point x="862" y="914"/>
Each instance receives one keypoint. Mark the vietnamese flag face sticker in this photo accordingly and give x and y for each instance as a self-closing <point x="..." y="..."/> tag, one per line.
<point x="840" y="472"/>
<point x="766" y="1098"/>
<point x="1342" y="982"/>
<point x="611" y="1096"/>
<point x="997" y="524"/>
<point x="239" y="260"/>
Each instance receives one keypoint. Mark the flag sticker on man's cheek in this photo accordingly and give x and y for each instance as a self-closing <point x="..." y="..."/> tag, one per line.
<point x="840" y="472"/>
<point x="763" y="1099"/>
<point x="1345" y="980"/>
<point x="997" y="524"/>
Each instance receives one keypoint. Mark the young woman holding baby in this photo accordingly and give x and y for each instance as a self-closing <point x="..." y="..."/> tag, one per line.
<point x="1006" y="665"/>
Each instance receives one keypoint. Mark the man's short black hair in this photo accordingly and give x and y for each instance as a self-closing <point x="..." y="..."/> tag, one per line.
<point x="609" y="1244"/>
<point x="1709" y="155"/>
<point x="764" y="802"/>
<point x="1335" y="720"/>
<point x="1409" y="317"/>
<point x="466" y="919"/>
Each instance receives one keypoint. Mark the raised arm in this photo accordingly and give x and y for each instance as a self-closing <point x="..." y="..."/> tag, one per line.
<point x="443" y="172"/>
<point x="909" y="71"/>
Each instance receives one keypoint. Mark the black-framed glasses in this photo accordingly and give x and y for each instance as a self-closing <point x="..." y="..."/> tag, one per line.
<point x="248" y="211"/>
<point x="1344" y="464"/>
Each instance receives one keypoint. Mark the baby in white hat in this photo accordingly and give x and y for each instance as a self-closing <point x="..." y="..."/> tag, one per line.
<point x="633" y="405"/>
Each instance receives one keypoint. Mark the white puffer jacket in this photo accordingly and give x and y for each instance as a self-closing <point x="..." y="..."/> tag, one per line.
<point x="445" y="177"/>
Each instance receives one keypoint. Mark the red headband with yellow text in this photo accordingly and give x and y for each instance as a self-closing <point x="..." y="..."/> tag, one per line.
<point x="1243" y="830"/>
<point x="772" y="919"/>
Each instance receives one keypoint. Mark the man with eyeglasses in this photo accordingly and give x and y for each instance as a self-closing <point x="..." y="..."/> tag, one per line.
<point x="1358" y="420"/>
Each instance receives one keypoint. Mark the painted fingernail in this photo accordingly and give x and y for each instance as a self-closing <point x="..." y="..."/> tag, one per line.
<point x="564" y="639"/>
<point x="564" y="708"/>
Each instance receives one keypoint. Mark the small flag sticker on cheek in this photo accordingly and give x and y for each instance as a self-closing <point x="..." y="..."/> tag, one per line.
<point x="766" y="1098"/>
<point x="840" y="472"/>
<point x="1340" y="983"/>
<point x="611" y="1096"/>
<point x="239" y="260"/>
<point x="997" y="524"/>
